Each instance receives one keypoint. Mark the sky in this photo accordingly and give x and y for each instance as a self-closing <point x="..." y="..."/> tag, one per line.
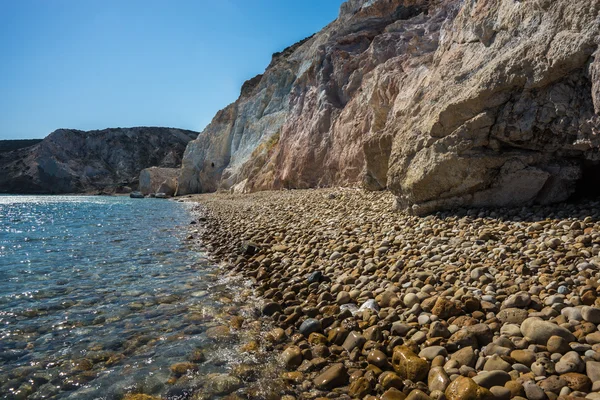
<point x="95" y="64"/>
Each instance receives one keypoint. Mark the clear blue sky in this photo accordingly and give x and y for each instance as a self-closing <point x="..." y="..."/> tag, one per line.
<point x="93" y="64"/>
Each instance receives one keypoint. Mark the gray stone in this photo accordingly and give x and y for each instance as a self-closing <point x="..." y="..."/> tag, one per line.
<point x="354" y="339"/>
<point x="487" y="379"/>
<point x="591" y="314"/>
<point x="309" y="326"/>
<point x="539" y="331"/>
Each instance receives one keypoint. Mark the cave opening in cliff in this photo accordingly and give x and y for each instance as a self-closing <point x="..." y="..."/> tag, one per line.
<point x="588" y="186"/>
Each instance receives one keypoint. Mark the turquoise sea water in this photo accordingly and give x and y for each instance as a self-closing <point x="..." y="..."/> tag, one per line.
<point x="95" y="297"/>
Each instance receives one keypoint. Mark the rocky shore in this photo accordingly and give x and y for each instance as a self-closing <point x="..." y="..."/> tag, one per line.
<point x="371" y="303"/>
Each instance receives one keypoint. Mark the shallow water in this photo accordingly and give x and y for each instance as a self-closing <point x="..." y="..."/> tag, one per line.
<point x="99" y="296"/>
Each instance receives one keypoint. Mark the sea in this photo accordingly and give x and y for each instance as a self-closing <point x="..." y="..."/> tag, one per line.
<point x="101" y="296"/>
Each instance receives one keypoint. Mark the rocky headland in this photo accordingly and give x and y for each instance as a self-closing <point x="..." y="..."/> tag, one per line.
<point x="371" y="303"/>
<point x="447" y="103"/>
<point x="108" y="161"/>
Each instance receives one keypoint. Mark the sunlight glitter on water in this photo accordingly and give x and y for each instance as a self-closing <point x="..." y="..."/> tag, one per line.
<point x="99" y="296"/>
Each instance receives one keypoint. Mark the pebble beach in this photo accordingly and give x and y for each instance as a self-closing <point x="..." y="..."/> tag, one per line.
<point x="367" y="302"/>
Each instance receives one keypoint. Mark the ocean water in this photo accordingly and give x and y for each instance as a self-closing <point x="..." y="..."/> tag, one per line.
<point x="99" y="296"/>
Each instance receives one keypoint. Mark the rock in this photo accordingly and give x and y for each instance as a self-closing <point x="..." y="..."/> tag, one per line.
<point x="572" y="313"/>
<point x="221" y="384"/>
<point x="316" y="276"/>
<point x="496" y="363"/>
<point x="570" y="362"/>
<point x="337" y="336"/>
<point x="429" y="353"/>
<point x="136" y="195"/>
<point x="219" y="333"/>
<point x="417" y="394"/>
<point x="516" y="389"/>
<point x="445" y="308"/>
<point x="292" y="357"/>
<point x="465" y="356"/>
<point x="593" y="338"/>
<point x="437" y="379"/>
<point x="518" y="300"/>
<point x="389" y="379"/>
<point x="591" y="314"/>
<point x="553" y="384"/>
<point x="334" y="376"/>
<point x="360" y="388"/>
<point x="183" y="368"/>
<point x="500" y="393"/>
<point x="158" y="180"/>
<point x="490" y="379"/>
<point x="393" y="394"/>
<point x="557" y="344"/>
<point x="593" y="370"/>
<point x="377" y="358"/>
<point x="512" y="316"/>
<point x="369" y="305"/>
<point x="465" y="388"/>
<point x="525" y="357"/>
<point x="373" y="333"/>
<point x="533" y="391"/>
<point x="271" y="308"/>
<point x="410" y="300"/>
<point x="309" y="326"/>
<point x="577" y="381"/>
<point x="539" y="331"/>
<point x="408" y="365"/>
<point x="353" y="340"/>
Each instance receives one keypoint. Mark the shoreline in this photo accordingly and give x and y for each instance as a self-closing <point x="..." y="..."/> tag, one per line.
<point x="372" y="303"/>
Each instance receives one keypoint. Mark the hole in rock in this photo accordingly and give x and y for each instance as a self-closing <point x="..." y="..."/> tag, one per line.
<point x="588" y="187"/>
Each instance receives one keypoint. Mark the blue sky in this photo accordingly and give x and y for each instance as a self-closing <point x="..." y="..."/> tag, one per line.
<point x="93" y="64"/>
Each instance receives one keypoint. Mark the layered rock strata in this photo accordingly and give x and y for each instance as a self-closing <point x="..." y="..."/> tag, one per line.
<point x="446" y="103"/>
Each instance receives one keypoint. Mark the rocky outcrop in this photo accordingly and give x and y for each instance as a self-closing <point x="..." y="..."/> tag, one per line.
<point x="72" y="161"/>
<point x="159" y="180"/>
<point x="447" y="103"/>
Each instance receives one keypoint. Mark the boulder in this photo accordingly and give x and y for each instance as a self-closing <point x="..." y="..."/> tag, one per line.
<point x="159" y="180"/>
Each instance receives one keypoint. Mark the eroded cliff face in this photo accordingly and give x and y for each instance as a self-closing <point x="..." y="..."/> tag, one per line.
<point x="72" y="161"/>
<point x="447" y="103"/>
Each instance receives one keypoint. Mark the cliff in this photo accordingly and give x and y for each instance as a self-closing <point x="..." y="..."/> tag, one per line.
<point x="447" y="103"/>
<point x="72" y="161"/>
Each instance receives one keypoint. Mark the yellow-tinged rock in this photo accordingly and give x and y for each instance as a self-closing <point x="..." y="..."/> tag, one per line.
<point x="408" y="365"/>
<point x="464" y="388"/>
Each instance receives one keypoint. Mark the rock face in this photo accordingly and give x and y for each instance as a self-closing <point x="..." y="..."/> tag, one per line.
<point x="159" y="180"/>
<point x="447" y="103"/>
<point x="72" y="161"/>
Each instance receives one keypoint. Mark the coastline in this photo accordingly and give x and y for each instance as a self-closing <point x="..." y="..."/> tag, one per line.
<point x="372" y="303"/>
